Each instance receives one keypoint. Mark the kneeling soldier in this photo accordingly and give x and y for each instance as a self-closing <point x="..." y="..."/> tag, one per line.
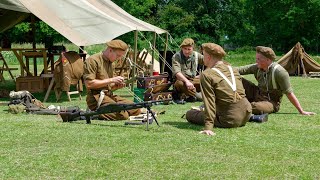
<point x="100" y="82"/>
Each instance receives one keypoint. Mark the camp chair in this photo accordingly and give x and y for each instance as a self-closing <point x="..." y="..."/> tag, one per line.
<point x="68" y="71"/>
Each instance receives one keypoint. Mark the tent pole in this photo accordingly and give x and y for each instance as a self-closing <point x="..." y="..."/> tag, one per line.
<point x="303" y="68"/>
<point x="135" y="55"/>
<point x="33" y="28"/>
<point x="153" y="49"/>
<point x="165" y="52"/>
<point x="81" y="49"/>
<point x="33" y="31"/>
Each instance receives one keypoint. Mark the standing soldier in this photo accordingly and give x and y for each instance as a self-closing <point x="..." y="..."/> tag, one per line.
<point x="100" y="82"/>
<point x="225" y="102"/>
<point x="184" y="65"/>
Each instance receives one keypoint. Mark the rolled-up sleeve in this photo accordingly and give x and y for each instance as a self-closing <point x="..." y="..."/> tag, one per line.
<point x="283" y="80"/>
<point x="248" y="69"/>
<point x="176" y="64"/>
<point x="90" y="69"/>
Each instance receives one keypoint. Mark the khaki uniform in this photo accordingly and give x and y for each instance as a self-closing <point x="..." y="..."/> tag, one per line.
<point x="266" y="97"/>
<point x="96" y="67"/>
<point x="222" y="106"/>
<point x="188" y="67"/>
<point x="68" y="69"/>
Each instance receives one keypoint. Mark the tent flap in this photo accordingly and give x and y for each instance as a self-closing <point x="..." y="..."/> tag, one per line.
<point x="84" y="22"/>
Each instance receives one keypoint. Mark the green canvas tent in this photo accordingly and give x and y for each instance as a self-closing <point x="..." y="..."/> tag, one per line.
<point x="297" y="62"/>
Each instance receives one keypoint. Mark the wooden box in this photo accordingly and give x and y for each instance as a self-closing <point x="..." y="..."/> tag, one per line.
<point x="31" y="84"/>
<point x="314" y="74"/>
<point x="158" y="96"/>
<point x="146" y="82"/>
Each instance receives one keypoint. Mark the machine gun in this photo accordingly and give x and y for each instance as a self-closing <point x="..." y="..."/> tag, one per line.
<point x="68" y="116"/>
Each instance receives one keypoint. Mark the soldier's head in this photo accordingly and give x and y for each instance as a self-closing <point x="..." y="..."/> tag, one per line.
<point x="264" y="57"/>
<point x="187" y="47"/>
<point x="212" y="53"/>
<point x="116" y="49"/>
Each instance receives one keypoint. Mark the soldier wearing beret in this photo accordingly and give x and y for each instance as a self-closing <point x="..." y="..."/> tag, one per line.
<point x="184" y="65"/>
<point x="225" y="102"/>
<point x="100" y="81"/>
<point x="273" y="82"/>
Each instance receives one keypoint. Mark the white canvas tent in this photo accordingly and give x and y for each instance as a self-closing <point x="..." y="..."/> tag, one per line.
<point x="83" y="22"/>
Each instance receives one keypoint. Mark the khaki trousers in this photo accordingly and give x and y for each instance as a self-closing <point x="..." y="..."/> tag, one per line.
<point x="181" y="88"/>
<point x="233" y="115"/>
<point x="111" y="99"/>
<point x="259" y="100"/>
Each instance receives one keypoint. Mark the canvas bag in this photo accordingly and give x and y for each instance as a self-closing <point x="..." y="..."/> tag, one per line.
<point x="24" y="99"/>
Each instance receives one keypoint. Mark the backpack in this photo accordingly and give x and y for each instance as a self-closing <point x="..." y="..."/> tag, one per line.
<point x="23" y="100"/>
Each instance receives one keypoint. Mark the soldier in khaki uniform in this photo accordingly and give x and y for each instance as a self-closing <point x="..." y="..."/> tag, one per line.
<point x="225" y="102"/>
<point x="273" y="82"/>
<point x="184" y="65"/>
<point x="100" y="82"/>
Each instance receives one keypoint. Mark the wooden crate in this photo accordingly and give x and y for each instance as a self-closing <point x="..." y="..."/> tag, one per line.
<point x="314" y="74"/>
<point x="146" y="82"/>
<point x="31" y="84"/>
<point x="158" y="96"/>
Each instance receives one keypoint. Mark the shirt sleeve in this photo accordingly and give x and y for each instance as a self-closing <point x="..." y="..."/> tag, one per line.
<point x="283" y="81"/>
<point x="209" y="101"/>
<point x="176" y="65"/>
<point x="90" y="69"/>
<point x="248" y="69"/>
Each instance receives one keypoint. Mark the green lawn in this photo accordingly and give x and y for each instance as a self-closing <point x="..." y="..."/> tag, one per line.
<point x="43" y="147"/>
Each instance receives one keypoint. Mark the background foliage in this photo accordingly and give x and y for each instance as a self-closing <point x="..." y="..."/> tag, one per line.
<point x="232" y="23"/>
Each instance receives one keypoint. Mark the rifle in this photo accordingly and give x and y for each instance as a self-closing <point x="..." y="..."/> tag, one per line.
<point x="76" y="115"/>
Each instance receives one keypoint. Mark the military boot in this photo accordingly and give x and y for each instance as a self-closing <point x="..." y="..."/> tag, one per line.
<point x="259" y="118"/>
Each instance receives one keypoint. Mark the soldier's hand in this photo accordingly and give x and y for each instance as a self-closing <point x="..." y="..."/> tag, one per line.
<point x="307" y="113"/>
<point x="118" y="79"/>
<point x="207" y="132"/>
<point x="189" y="85"/>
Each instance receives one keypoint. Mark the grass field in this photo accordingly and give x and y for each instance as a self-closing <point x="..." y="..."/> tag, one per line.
<point x="43" y="147"/>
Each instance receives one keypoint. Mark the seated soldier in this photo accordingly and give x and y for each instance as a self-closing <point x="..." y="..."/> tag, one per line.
<point x="273" y="82"/>
<point x="225" y="102"/>
<point x="184" y="65"/>
<point x="100" y="81"/>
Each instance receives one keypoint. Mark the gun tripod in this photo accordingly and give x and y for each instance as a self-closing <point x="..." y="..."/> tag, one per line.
<point x="149" y="111"/>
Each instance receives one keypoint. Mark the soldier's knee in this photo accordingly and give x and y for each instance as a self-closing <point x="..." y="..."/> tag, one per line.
<point x="124" y="115"/>
<point x="178" y="84"/>
<point x="262" y="107"/>
<point x="195" y="117"/>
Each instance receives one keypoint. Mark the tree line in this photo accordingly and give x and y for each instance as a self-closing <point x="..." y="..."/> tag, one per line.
<point x="231" y="23"/>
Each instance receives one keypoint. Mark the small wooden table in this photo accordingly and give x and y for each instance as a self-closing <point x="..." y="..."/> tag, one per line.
<point x="29" y="53"/>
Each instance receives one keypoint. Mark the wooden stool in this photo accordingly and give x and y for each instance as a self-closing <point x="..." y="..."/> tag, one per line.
<point x="78" y="86"/>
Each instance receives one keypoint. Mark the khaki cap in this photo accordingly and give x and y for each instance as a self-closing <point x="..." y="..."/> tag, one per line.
<point x="214" y="49"/>
<point x="187" y="42"/>
<point x="266" y="52"/>
<point x="117" y="44"/>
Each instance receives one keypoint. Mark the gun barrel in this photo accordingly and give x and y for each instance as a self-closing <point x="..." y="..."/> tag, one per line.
<point x="110" y="108"/>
